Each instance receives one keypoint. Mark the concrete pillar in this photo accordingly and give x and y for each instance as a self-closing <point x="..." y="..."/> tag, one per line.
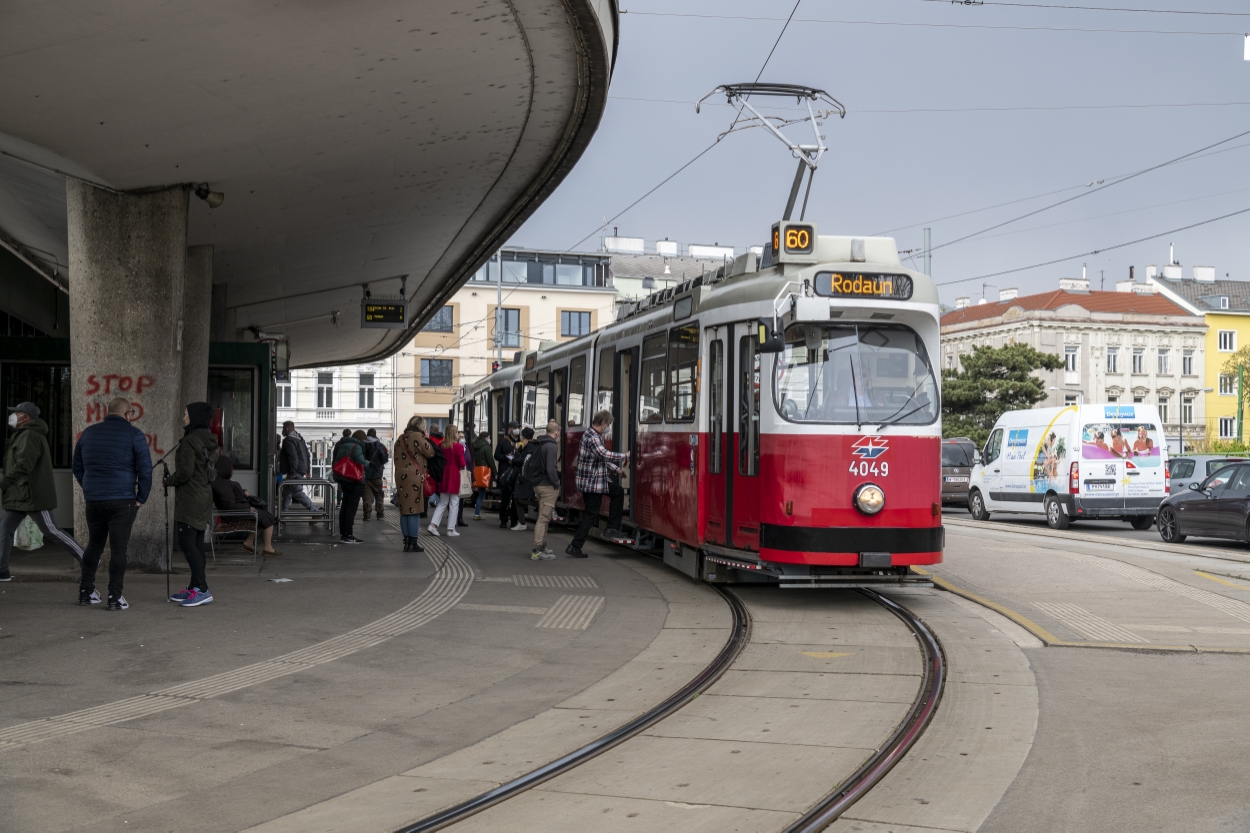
<point x="127" y="261"/>
<point x="197" y="300"/>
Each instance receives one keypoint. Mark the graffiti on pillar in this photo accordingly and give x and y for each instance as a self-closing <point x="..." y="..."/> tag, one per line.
<point x="110" y="386"/>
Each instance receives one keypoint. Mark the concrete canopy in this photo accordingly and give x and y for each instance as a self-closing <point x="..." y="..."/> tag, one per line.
<point x="354" y="142"/>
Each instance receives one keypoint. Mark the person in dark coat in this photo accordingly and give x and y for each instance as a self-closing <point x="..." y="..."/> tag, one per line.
<point x="375" y="487"/>
<point x="505" y="450"/>
<point x="193" y="498"/>
<point x="483" y="456"/>
<point x="352" y="446"/>
<point x="114" y="470"/>
<point x="27" y="483"/>
<point x="294" y="463"/>
<point x="522" y="492"/>
<point x="229" y="496"/>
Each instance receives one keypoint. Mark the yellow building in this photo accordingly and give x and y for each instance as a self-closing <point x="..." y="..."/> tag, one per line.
<point x="1225" y="306"/>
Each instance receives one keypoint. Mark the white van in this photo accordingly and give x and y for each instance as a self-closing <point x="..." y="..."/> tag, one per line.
<point x="1082" y="461"/>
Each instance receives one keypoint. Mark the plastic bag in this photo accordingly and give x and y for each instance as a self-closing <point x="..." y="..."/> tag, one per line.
<point x="29" y="536"/>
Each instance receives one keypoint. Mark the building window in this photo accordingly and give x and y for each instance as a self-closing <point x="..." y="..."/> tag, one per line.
<point x="1228" y="428"/>
<point x="1069" y="399"/>
<point x="1187" y="362"/>
<point x="1112" y="398"/>
<point x="284" y="396"/>
<point x="436" y="373"/>
<point x="1113" y="359"/>
<point x="1163" y="409"/>
<point x="510" y="321"/>
<point x="1228" y="341"/>
<point x="950" y="361"/>
<point x="1069" y="358"/>
<point x="1165" y="357"/>
<point x="574" y="323"/>
<point x="1228" y="385"/>
<point x="1187" y="410"/>
<point x="1223" y="302"/>
<point x="364" y="398"/>
<point x="325" y="390"/>
<point x="441" y="322"/>
<point x="1137" y="400"/>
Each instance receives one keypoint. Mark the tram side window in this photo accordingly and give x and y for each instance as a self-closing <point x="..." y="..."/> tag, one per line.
<point x="607" y="375"/>
<point x="577" y="389"/>
<point x="994" y="445"/>
<point x="651" y="393"/>
<point x="716" y="405"/>
<point x="531" y="403"/>
<point x="683" y="363"/>
<point x="748" y="407"/>
<point x="518" y="402"/>
<point x="541" y="399"/>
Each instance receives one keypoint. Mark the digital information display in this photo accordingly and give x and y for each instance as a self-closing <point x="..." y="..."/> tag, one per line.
<point x="797" y="240"/>
<point x="385" y="315"/>
<point x="861" y="285"/>
<point x="792" y="243"/>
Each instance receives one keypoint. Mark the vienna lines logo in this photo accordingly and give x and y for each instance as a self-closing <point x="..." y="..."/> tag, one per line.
<point x="870" y="448"/>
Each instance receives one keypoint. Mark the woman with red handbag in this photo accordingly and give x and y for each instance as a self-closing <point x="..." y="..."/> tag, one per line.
<point x="412" y="450"/>
<point x="449" y="485"/>
<point x="349" y="472"/>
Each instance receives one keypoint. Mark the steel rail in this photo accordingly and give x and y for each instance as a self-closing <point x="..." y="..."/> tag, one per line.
<point x="739" y="635"/>
<point x="828" y="809"/>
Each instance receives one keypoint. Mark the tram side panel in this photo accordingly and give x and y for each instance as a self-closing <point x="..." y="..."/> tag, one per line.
<point x="666" y="496"/>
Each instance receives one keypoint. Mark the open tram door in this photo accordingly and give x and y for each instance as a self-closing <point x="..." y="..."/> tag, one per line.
<point x="743" y="459"/>
<point x="623" y="387"/>
<point x="715" y="496"/>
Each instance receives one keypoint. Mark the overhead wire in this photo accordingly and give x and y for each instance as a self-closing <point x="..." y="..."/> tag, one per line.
<point x="913" y="110"/>
<point x="1089" y="8"/>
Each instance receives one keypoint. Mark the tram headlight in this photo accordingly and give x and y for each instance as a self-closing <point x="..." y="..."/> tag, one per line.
<point x="869" y="498"/>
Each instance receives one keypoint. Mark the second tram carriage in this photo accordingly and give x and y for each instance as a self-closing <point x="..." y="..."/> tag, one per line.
<point x="782" y="414"/>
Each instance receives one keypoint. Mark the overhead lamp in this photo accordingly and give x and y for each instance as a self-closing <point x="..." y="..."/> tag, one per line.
<point x="213" y="198"/>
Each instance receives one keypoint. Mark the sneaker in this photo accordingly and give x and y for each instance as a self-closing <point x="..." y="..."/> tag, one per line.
<point x="477" y="517"/>
<point x="520" y="527"/>
<point x="433" y="530"/>
<point x="453" y="534"/>
<point x="120" y="603"/>
<point x="181" y="595"/>
<point x="574" y="551"/>
<point x="349" y="539"/>
<point x="87" y="598"/>
<point x="541" y="555"/>
<point x="5" y="576"/>
<point x="196" y="597"/>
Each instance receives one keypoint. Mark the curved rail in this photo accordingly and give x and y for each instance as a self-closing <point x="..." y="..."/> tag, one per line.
<point x="740" y="633"/>
<point x="875" y="768"/>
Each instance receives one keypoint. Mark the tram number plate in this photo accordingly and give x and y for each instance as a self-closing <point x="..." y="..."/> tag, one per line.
<point x="1100" y="485"/>
<point x="864" y="469"/>
<point x="956" y="480"/>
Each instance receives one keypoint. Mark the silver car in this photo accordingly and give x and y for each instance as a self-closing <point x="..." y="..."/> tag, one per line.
<point x="1194" y="468"/>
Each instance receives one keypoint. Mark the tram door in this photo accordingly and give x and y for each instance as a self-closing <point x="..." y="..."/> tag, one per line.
<point x="744" y="450"/>
<point x="623" y="433"/>
<point x="500" y="413"/>
<point x="559" y="407"/>
<point x="715" y="495"/>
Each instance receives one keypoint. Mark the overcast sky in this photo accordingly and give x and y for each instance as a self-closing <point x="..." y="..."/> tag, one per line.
<point x="893" y="171"/>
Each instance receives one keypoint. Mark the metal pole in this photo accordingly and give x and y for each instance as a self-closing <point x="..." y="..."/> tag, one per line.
<point x="1241" y="377"/>
<point x="794" y="189"/>
<point x="928" y="255"/>
<point x="498" y="310"/>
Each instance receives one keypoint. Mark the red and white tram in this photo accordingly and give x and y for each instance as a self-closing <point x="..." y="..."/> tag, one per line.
<point x="782" y="414"/>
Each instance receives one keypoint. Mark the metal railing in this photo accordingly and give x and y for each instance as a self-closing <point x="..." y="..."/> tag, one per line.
<point x="322" y="490"/>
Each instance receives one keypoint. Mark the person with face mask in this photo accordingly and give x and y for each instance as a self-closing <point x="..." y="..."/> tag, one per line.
<point x="595" y="466"/>
<point x="27" y="483"/>
<point x="505" y="451"/>
<point x="193" y="498"/>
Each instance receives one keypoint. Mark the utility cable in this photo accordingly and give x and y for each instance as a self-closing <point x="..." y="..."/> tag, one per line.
<point x="1087" y="8"/>
<point x="1097" y="251"/>
<point x="914" y="110"/>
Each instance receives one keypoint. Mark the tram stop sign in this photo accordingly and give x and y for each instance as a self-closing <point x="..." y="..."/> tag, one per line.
<point x="383" y="314"/>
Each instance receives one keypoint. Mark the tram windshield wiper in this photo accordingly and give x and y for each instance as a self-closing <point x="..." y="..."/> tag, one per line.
<point x="897" y="420"/>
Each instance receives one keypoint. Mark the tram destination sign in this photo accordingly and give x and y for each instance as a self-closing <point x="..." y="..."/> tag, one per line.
<point x="864" y="285"/>
<point x="384" y="315"/>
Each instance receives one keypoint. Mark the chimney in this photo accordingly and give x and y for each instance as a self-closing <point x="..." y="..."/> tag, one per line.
<point x="1152" y="272"/>
<point x="1172" y="272"/>
<point x="1008" y="294"/>
<point x="1126" y="286"/>
<point x="1172" y="253"/>
<point x="1204" y="274"/>
<point x="961" y="303"/>
<point x="1074" y="284"/>
<point x="1130" y="273"/>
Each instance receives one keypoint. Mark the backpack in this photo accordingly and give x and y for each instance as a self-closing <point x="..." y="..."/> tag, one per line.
<point x="534" y="471"/>
<point x="435" y="465"/>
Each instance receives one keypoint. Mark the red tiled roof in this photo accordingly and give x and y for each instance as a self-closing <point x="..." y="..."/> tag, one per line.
<point x="1125" y="302"/>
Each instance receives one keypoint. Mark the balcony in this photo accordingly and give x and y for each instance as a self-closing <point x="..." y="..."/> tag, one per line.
<point x="345" y="417"/>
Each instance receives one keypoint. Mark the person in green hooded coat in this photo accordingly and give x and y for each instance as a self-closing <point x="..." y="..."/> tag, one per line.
<point x="193" y="498"/>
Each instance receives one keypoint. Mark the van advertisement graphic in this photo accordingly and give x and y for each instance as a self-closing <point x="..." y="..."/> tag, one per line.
<point x="1017" y="444"/>
<point x="1134" y="441"/>
<point x="1048" y="461"/>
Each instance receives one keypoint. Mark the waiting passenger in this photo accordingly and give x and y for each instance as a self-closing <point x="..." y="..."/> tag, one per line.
<point x="229" y="496"/>
<point x="449" y="486"/>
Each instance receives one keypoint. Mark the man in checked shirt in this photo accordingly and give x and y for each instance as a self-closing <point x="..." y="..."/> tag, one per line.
<point x="597" y="469"/>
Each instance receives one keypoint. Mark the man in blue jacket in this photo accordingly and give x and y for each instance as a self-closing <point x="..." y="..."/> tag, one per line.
<point x="114" y="469"/>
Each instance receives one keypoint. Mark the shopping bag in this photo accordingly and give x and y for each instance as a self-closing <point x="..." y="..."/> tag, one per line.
<point x="481" y="477"/>
<point x="28" y="536"/>
<point x="428" y="487"/>
<point x="466" y="483"/>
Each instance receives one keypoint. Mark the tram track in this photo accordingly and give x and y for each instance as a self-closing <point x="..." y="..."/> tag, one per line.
<point x="820" y="815"/>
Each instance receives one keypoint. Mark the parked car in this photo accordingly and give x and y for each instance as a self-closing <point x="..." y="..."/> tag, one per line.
<point x="959" y="455"/>
<point x="1194" y="468"/>
<point x="1081" y="461"/>
<point x="1216" y="507"/>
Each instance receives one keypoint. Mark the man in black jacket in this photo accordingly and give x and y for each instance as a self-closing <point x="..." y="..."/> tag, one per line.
<point x="545" y="477"/>
<point x="376" y="458"/>
<point x="294" y="463"/>
<point x="505" y="450"/>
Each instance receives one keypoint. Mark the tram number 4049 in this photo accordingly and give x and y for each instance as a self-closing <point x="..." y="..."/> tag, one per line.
<point x="864" y="468"/>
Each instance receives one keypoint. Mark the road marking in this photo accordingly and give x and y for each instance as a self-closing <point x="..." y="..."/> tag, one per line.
<point x="572" y="613"/>
<point x="826" y="654"/>
<point x="1222" y="581"/>
<point x="1016" y="633"/>
<point x="502" y="608"/>
<point x="1160" y="628"/>
<point x="1233" y="607"/>
<point x="447" y="587"/>
<point x="555" y="581"/>
<point x="1087" y="624"/>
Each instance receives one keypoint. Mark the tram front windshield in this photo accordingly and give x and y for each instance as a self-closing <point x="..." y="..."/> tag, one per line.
<point x="855" y="374"/>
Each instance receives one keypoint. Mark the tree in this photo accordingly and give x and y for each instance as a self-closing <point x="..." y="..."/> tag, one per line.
<point x="993" y="380"/>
